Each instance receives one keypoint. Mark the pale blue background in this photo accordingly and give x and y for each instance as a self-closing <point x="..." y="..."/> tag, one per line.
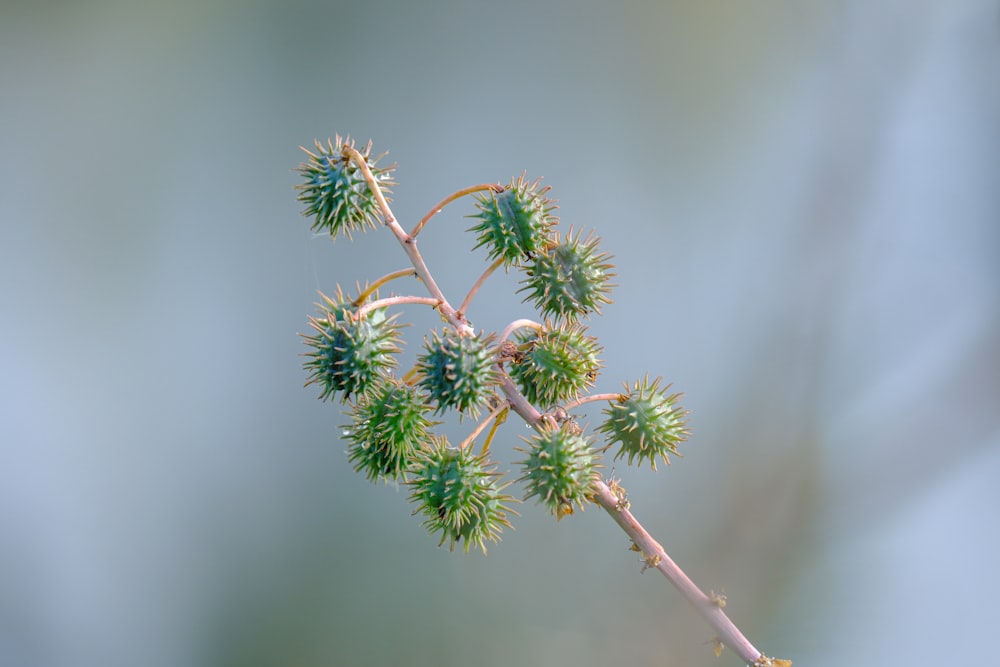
<point x="802" y="198"/>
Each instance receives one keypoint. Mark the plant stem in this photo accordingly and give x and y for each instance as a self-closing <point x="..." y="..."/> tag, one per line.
<point x="492" y="418"/>
<point x="396" y="301"/>
<point x="449" y="199"/>
<point x="593" y="398"/>
<point x="652" y="551"/>
<point x="409" y="244"/>
<point x="479" y="283"/>
<point x="518" y="324"/>
<point x="402" y="273"/>
<point x="656" y="556"/>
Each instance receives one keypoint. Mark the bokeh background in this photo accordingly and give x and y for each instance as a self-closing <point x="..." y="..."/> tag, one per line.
<point x="804" y="206"/>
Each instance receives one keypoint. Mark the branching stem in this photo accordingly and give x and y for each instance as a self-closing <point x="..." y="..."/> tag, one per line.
<point x="408" y="243"/>
<point x="726" y="631"/>
<point x="652" y="551"/>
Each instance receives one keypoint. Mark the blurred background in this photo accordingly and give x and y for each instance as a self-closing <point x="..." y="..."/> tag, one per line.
<point x="803" y="203"/>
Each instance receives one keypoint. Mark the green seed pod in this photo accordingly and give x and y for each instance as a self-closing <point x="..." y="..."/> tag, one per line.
<point x="349" y="354"/>
<point x="646" y="422"/>
<point x="560" y="469"/>
<point x="556" y="365"/>
<point x="336" y="194"/>
<point x="458" y="495"/>
<point x="571" y="279"/>
<point x="388" y="426"/>
<point x="514" y="223"/>
<point x="457" y="371"/>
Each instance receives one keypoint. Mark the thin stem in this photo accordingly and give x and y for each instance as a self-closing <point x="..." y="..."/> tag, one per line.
<point x="362" y="164"/>
<point x="593" y="398"/>
<point x="482" y="426"/>
<point x="500" y="419"/>
<point x="655" y="556"/>
<point x="408" y="243"/>
<point x="395" y="301"/>
<point x="518" y="324"/>
<point x="402" y="273"/>
<point x="452" y="197"/>
<point x="652" y="551"/>
<point x="479" y="283"/>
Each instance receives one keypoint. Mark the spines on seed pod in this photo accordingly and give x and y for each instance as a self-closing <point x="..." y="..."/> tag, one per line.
<point x="336" y="193"/>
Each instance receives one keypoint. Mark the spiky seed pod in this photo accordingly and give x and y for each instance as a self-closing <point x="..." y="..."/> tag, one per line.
<point x="514" y="223"/>
<point x="560" y="469"/>
<point x="335" y="192"/>
<point x="647" y="422"/>
<point x="457" y="371"/>
<point x="388" y="427"/>
<point x="571" y="279"/>
<point x="349" y="353"/>
<point x="557" y="363"/>
<point x="458" y="495"/>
